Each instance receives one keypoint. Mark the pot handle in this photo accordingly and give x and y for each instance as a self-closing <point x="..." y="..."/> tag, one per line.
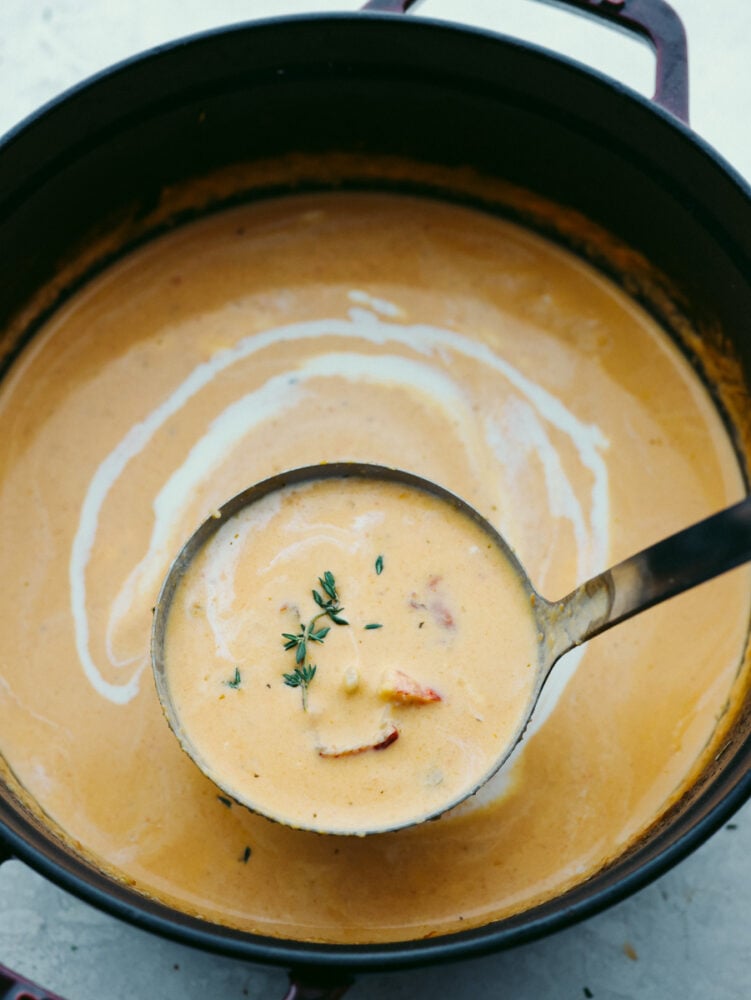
<point x="654" y="20"/>
<point x="13" y="987"/>
<point x="6" y="854"/>
<point x="306" y="985"/>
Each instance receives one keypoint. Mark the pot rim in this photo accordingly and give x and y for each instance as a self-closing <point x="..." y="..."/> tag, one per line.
<point x="558" y="913"/>
<point x="414" y="22"/>
<point x="405" y="21"/>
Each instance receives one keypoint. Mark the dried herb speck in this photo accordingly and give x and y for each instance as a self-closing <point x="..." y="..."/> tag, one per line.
<point x="236" y="681"/>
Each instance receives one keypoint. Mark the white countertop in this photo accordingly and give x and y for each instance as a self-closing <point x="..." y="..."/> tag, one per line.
<point x="687" y="935"/>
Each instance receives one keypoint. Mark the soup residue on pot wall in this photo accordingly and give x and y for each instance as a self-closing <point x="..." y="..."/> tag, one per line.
<point x="375" y="328"/>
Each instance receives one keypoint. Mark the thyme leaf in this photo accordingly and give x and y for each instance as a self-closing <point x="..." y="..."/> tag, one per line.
<point x="301" y="678"/>
<point x="236" y="681"/>
<point x="328" y="584"/>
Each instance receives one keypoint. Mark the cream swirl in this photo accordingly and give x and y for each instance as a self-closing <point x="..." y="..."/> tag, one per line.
<point x="530" y="417"/>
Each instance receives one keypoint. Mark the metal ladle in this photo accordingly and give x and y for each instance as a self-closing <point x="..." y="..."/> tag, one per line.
<point x="669" y="567"/>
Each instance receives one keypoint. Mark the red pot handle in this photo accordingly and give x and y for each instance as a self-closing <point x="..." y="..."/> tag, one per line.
<point x="13" y="987"/>
<point x="309" y="986"/>
<point x="654" y="20"/>
<point x="302" y="987"/>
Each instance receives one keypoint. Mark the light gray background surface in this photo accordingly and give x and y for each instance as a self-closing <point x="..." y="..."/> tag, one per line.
<point x="688" y="935"/>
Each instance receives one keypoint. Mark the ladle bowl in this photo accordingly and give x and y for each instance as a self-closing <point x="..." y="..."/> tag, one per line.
<point x="671" y="566"/>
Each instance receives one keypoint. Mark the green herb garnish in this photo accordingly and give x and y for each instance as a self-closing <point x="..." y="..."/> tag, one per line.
<point x="236" y="680"/>
<point x="373" y="625"/>
<point x="301" y="678"/>
<point x="246" y="854"/>
<point x="225" y="801"/>
<point x="379" y="565"/>
<point x="330" y="606"/>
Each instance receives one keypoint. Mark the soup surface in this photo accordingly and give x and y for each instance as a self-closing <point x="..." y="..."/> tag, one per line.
<point x="375" y="328"/>
<point x="405" y="709"/>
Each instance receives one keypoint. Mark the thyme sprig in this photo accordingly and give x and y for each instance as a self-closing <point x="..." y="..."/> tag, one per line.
<point x="301" y="678"/>
<point x="330" y="606"/>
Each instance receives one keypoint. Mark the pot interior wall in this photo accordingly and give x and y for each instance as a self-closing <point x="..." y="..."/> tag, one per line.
<point x="374" y="88"/>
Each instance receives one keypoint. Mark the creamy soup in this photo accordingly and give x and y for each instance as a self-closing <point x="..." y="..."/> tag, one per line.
<point x="415" y="663"/>
<point x="377" y="328"/>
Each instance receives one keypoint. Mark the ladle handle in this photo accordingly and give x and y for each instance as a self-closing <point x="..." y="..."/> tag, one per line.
<point x="678" y="563"/>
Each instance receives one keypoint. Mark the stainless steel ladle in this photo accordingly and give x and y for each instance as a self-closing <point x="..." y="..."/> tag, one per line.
<point x="665" y="569"/>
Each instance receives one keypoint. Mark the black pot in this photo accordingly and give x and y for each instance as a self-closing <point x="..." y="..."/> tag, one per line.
<point x="370" y="85"/>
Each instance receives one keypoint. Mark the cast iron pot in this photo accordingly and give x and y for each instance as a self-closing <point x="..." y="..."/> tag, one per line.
<point x="371" y="84"/>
